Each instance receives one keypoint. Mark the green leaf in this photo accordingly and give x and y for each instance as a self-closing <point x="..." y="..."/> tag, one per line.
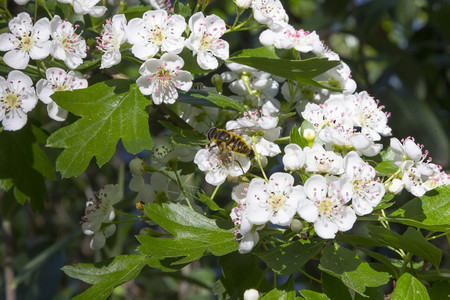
<point x="23" y="161"/>
<point x="312" y="295"/>
<point x="294" y="137"/>
<point x="106" y="276"/>
<point x="352" y="270"/>
<point x="182" y="9"/>
<point x="194" y="234"/>
<point x="409" y="287"/>
<point x="334" y="288"/>
<point x="205" y="199"/>
<point x="265" y="51"/>
<point x="110" y="111"/>
<point x="431" y="211"/>
<point x="265" y="59"/>
<point x="284" y="292"/>
<point x="386" y="168"/>
<point x="440" y="290"/>
<point x="411" y="241"/>
<point x="218" y="100"/>
<point x="289" y="258"/>
<point x="234" y="280"/>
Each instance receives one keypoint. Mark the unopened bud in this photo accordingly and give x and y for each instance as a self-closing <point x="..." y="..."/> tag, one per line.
<point x="396" y="186"/>
<point x="309" y="135"/>
<point x="217" y="81"/>
<point x="296" y="225"/>
<point x="251" y="294"/>
<point x="137" y="166"/>
<point x="243" y="3"/>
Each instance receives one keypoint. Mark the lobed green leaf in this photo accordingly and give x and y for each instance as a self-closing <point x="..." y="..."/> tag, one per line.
<point x="431" y="211"/>
<point x="110" y="111"/>
<point x="106" y="276"/>
<point x="351" y="270"/>
<point x="194" y="234"/>
<point x="289" y="258"/>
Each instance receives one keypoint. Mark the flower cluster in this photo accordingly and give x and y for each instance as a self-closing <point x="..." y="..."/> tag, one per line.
<point x="99" y="214"/>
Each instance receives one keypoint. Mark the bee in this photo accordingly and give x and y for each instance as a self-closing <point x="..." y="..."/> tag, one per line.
<point x="228" y="143"/>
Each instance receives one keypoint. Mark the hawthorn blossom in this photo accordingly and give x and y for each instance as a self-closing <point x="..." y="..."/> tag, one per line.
<point x="219" y="164"/>
<point x="336" y="128"/>
<point x="257" y="88"/>
<point x="366" y="192"/>
<point x="205" y="41"/>
<point x="161" y="4"/>
<point x="365" y="113"/>
<point x="270" y="12"/>
<point x="110" y="40"/>
<point x="288" y="38"/>
<point x="319" y="160"/>
<point x="58" y="80"/>
<point x="275" y="201"/>
<point x="162" y="77"/>
<point x="25" y="41"/>
<point x="83" y="7"/>
<point x="406" y="150"/>
<point x="249" y="236"/>
<point x="67" y="45"/>
<point x="99" y="214"/>
<point x="294" y="157"/>
<point x="156" y="30"/>
<point x="264" y="128"/>
<point x="137" y="171"/>
<point x="325" y="206"/>
<point x="17" y="97"/>
<point x="243" y="4"/>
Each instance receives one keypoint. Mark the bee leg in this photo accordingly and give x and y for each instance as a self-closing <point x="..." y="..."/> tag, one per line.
<point x="240" y="166"/>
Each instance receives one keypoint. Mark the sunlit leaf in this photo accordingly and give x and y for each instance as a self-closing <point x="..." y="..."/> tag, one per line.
<point x="194" y="235"/>
<point x="409" y="287"/>
<point x="110" y="111"/>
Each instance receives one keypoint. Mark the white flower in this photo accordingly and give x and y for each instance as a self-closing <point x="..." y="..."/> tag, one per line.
<point x="21" y="2"/>
<point x="58" y="80"/>
<point x="396" y="186"/>
<point x="17" y="97"/>
<point x="249" y="236"/>
<point x="83" y="7"/>
<point x="205" y="41"/>
<point x="270" y="12"/>
<point x="365" y="112"/>
<point x="99" y="213"/>
<point x="287" y="38"/>
<point x="406" y="150"/>
<point x="112" y="37"/>
<point x="162" y="77"/>
<point x="219" y="164"/>
<point x="263" y="127"/>
<point x="319" y="160"/>
<point x="156" y="30"/>
<point x="67" y="45"/>
<point x="161" y="4"/>
<point x="243" y="3"/>
<point x="251" y="294"/>
<point x="294" y="157"/>
<point x="25" y="41"/>
<point x="325" y="206"/>
<point x="366" y="192"/>
<point x="275" y="201"/>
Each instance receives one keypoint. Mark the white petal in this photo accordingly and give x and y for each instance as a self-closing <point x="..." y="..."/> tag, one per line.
<point x="16" y="59"/>
<point x="56" y="113"/>
<point x="98" y="241"/>
<point x="325" y="228"/>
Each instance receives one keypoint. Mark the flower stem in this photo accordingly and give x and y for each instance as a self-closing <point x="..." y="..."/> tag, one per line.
<point x="258" y="159"/>
<point x="309" y="276"/>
